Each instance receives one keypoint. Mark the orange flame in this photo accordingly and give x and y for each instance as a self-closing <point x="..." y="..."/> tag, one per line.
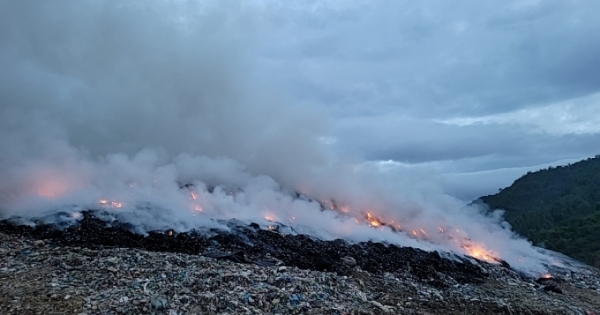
<point x="473" y="250"/>
<point x="374" y="222"/>
<point x="479" y="252"/>
<point x="112" y="204"/>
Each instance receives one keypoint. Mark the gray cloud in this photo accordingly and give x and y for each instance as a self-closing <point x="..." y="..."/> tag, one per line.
<point x="446" y="59"/>
<point x="397" y="75"/>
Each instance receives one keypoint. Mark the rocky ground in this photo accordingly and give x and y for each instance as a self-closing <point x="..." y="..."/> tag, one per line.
<point x="42" y="277"/>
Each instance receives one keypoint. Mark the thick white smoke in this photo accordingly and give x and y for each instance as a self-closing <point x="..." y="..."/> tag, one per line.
<point x="126" y="102"/>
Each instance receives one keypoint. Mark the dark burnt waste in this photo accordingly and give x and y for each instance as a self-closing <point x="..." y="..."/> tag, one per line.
<point x="251" y="244"/>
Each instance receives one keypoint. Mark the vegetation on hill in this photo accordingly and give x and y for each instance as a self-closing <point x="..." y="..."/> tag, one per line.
<point x="557" y="208"/>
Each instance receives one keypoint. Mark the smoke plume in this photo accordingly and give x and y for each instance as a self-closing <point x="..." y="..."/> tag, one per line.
<point x="153" y="111"/>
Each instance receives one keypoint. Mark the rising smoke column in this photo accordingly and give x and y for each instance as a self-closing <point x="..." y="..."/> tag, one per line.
<point x="124" y="103"/>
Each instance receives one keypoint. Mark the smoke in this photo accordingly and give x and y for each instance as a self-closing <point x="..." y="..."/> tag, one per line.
<point x="118" y="105"/>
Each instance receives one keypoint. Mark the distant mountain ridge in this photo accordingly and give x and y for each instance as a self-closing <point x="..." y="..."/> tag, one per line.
<point x="557" y="208"/>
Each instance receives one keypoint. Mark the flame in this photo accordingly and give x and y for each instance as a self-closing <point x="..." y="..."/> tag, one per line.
<point x="269" y="217"/>
<point x="461" y="238"/>
<point x="112" y="204"/>
<point x="547" y="276"/>
<point x="374" y="222"/>
<point x="195" y="206"/>
<point x="477" y="251"/>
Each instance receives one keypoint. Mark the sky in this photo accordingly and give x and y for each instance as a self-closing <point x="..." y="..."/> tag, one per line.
<point x="473" y="93"/>
<point x="476" y="92"/>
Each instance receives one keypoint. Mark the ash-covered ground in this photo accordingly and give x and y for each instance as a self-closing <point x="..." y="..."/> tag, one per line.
<point x="251" y="244"/>
<point x="461" y="283"/>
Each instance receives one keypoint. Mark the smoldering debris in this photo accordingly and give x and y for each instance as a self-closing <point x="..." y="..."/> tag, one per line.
<point x="249" y="244"/>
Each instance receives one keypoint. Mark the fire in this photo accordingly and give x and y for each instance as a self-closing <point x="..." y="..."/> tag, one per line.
<point x="374" y="222"/>
<point x="479" y="252"/>
<point x="460" y="237"/>
<point x="112" y="204"/>
<point x="328" y="204"/>
<point x="269" y="217"/>
<point x="194" y="206"/>
<point x="547" y="276"/>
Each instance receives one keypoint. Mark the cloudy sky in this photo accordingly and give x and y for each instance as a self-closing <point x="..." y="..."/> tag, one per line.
<point x="478" y="91"/>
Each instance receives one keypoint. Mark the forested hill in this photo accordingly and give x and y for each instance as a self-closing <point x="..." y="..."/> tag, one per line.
<point x="557" y="208"/>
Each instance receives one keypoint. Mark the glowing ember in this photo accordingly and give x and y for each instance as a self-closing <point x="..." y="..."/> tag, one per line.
<point x="269" y="217"/>
<point x="112" y="204"/>
<point x="480" y="253"/>
<point x="372" y="220"/>
<point x="476" y="251"/>
<point x="328" y="204"/>
<point x="194" y="195"/>
<point x="547" y="276"/>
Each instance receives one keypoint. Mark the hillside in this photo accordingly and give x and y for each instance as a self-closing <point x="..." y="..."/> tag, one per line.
<point x="557" y="208"/>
